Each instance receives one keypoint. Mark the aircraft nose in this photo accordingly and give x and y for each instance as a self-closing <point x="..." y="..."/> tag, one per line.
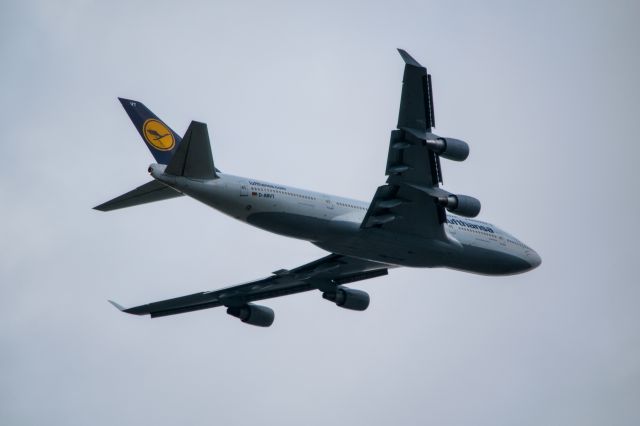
<point x="534" y="259"/>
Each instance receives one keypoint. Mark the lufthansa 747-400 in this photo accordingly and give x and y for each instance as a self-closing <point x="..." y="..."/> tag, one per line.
<point x="411" y="220"/>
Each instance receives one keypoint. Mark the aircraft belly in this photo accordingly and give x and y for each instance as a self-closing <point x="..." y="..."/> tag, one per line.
<point x="218" y="194"/>
<point x="484" y="254"/>
<point x="305" y="227"/>
<point x="487" y="261"/>
<point x="392" y="248"/>
<point x="461" y="251"/>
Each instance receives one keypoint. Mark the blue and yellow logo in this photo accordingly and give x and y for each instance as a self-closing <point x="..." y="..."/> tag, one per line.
<point x="158" y="135"/>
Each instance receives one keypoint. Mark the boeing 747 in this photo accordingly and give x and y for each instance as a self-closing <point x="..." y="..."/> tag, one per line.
<point x="411" y="220"/>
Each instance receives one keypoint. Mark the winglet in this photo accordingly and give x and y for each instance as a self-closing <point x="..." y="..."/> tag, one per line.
<point x="408" y="59"/>
<point x="120" y="307"/>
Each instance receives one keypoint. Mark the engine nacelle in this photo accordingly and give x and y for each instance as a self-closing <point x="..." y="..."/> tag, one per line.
<point x="461" y="204"/>
<point x="260" y="316"/>
<point x="452" y="149"/>
<point x="348" y="298"/>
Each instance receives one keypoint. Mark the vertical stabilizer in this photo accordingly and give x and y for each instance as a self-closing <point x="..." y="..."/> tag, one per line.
<point x="161" y="140"/>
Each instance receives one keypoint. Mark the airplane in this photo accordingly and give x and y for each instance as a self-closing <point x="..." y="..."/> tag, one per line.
<point x="411" y="220"/>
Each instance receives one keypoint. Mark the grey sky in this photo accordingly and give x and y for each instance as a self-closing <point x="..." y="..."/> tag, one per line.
<point x="546" y="94"/>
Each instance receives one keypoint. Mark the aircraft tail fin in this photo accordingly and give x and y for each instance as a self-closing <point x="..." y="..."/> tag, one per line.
<point x="161" y="140"/>
<point x="147" y="193"/>
<point x="193" y="157"/>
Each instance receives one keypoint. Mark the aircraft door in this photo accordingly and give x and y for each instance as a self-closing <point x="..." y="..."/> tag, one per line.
<point x="329" y="203"/>
<point x="244" y="190"/>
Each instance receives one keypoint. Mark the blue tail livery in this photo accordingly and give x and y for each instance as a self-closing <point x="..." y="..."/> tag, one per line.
<point x="161" y="140"/>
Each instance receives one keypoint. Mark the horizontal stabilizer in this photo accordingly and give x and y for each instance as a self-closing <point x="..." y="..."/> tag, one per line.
<point x="193" y="157"/>
<point x="147" y="193"/>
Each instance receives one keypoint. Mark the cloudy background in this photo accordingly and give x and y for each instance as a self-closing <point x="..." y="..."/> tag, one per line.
<point x="546" y="94"/>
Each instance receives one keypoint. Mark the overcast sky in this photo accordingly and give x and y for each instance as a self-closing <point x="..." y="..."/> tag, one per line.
<point x="545" y="92"/>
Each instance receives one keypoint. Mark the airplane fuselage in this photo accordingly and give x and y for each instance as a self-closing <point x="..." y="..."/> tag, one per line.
<point x="334" y="224"/>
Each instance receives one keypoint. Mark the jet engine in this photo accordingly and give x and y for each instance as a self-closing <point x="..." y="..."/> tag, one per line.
<point x="347" y="298"/>
<point x="460" y="204"/>
<point x="452" y="149"/>
<point x="253" y="314"/>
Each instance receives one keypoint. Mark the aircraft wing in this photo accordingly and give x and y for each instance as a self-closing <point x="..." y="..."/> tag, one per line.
<point x="324" y="274"/>
<point x="407" y="203"/>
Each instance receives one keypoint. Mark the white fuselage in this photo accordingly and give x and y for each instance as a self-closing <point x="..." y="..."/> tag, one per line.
<point x="333" y="223"/>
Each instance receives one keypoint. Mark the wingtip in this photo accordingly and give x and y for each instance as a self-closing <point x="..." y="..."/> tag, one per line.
<point x="408" y="59"/>
<point x="117" y="305"/>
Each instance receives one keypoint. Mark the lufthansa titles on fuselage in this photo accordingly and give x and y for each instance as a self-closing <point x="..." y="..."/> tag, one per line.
<point x="266" y="185"/>
<point x="456" y="221"/>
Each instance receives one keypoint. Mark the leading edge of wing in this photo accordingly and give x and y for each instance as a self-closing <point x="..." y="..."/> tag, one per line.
<point x="323" y="274"/>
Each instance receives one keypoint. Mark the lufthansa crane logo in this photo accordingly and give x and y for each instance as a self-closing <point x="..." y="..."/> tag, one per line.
<point x="158" y="135"/>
